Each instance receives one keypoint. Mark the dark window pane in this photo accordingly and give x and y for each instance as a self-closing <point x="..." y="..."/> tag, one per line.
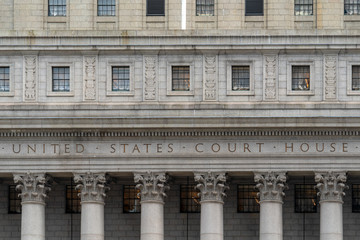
<point x="72" y="199"/>
<point x="305" y="198"/>
<point x="14" y="200"/>
<point x="356" y="198"/>
<point x="300" y="78"/>
<point x="61" y="79"/>
<point x="131" y="199"/>
<point x="180" y="78"/>
<point x="189" y="199"/>
<point x="205" y="7"/>
<point x="248" y="201"/>
<point x="254" y="7"/>
<point x="240" y="78"/>
<point x="156" y="7"/>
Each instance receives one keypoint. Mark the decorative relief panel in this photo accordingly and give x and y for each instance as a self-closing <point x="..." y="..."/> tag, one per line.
<point x="270" y="74"/>
<point x="271" y="185"/>
<point x="152" y="186"/>
<point x="211" y="185"/>
<point x="93" y="186"/>
<point x="210" y="78"/>
<point x="150" y="85"/>
<point x="331" y="185"/>
<point x="30" y="75"/>
<point x="89" y="77"/>
<point x="330" y="65"/>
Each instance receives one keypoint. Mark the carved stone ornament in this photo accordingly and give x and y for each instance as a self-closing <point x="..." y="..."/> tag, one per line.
<point x="90" y="77"/>
<point x="34" y="187"/>
<point x="150" y="78"/>
<point x="331" y="185"/>
<point x="152" y="186"/>
<point x="30" y="76"/>
<point x="270" y="77"/>
<point x="271" y="185"/>
<point x="210" y="81"/>
<point x="211" y="185"/>
<point x="330" y="63"/>
<point x="93" y="186"/>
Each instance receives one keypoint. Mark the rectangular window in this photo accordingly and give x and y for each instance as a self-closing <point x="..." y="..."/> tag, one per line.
<point x="189" y="199"/>
<point x="305" y="198"/>
<point x="155" y="7"/>
<point x="72" y="199"/>
<point x="57" y="8"/>
<point x="180" y="78"/>
<point x="254" y="7"/>
<point x="248" y="201"/>
<point x="351" y="7"/>
<point x="106" y="7"/>
<point x="14" y="200"/>
<point x="204" y="7"/>
<point x="131" y="199"/>
<point x="355" y="78"/>
<point x="303" y="7"/>
<point x="356" y="198"/>
<point x="120" y="78"/>
<point x="4" y="79"/>
<point x="300" y="78"/>
<point x="240" y="78"/>
<point x="61" y="79"/>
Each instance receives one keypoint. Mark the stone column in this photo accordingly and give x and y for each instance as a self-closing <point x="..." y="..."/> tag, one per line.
<point x="93" y="188"/>
<point x="34" y="188"/>
<point x="152" y="191"/>
<point x="271" y="186"/>
<point x="212" y="188"/>
<point x="331" y="187"/>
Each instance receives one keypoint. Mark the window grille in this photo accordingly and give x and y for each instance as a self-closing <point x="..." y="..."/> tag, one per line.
<point x="304" y="7"/>
<point x="121" y="78"/>
<point x="155" y="7"/>
<point x="189" y="199"/>
<point x="72" y="199"/>
<point x="205" y="7"/>
<point x="4" y="79"/>
<point x="355" y="78"/>
<point x="254" y="7"/>
<point x="131" y="199"/>
<point x="240" y="78"/>
<point x="248" y="201"/>
<point x="356" y="198"/>
<point x="352" y="7"/>
<point x="61" y="79"/>
<point x="305" y="198"/>
<point x="180" y="78"/>
<point x="300" y="78"/>
<point x="57" y="8"/>
<point x="106" y="7"/>
<point x="14" y="200"/>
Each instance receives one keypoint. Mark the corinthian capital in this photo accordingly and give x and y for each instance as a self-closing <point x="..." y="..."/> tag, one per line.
<point x="152" y="186"/>
<point x="331" y="185"/>
<point x="271" y="185"/>
<point x="211" y="185"/>
<point x="34" y="187"/>
<point x="93" y="186"/>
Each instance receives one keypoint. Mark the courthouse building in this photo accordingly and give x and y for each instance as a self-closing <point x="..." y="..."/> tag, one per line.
<point x="179" y="119"/>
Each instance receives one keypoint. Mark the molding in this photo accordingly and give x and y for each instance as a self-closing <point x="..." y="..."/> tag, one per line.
<point x="90" y="76"/>
<point x="210" y="74"/>
<point x="330" y="76"/>
<point x="150" y="78"/>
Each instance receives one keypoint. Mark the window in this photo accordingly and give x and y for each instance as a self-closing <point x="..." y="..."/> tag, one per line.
<point x="205" y="7"/>
<point x="303" y="7"/>
<point x="4" y="79"/>
<point x="155" y="7"/>
<point x="356" y="198"/>
<point x="14" y="200"/>
<point x="72" y="199"/>
<point x="120" y="78"/>
<point x="240" y="78"/>
<point x="106" y="7"/>
<point x="351" y="7"/>
<point x="248" y="201"/>
<point x="254" y="7"/>
<point x="60" y="79"/>
<point x="180" y="78"/>
<point x="57" y="8"/>
<point x="300" y="78"/>
<point x="131" y="200"/>
<point x="355" y="77"/>
<point x="305" y="198"/>
<point x="189" y="199"/>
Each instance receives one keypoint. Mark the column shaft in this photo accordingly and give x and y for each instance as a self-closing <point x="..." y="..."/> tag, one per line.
<point x="33" y="221"/>
<point x="271" y="221"/>
<point x="211" y="227"/>
<point x="152" y="221"/>
<point x="92" y="221"/>
<point x="331" y="221"/>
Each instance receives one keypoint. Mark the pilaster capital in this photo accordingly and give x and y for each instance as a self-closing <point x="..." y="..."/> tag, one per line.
<point x="93" y="186"/>
<point x="331" y="185"/>
<point x="271" y="185"/>
<point x="34" y="187"/>
<point x="152" y="185"/>
<point x="212" y="185"/>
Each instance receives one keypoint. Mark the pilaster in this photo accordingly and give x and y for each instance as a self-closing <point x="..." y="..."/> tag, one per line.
<point x="90" y="85"/>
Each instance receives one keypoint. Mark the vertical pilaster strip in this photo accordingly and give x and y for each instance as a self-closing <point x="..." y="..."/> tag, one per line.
<point x="330" y="75"/>
<point x="270" y="77"/>
<point x="210" y="78"/>
<point x="150" y="79"/>
<point x="30" y="78"/>
<point x="89" y="66"/>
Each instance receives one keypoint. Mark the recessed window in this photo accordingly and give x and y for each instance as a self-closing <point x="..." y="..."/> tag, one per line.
<point x="351" y="7"/>
<point x="60" y="79"/>
<point x="248" y="201"/>
<point x="356" y="198"/>
<point x="106" y="7"/>
<point x="205" y="7"/>
<point x="303" y="7"/>
<point x="14" y="200"/>
<point x="4" y="79"/>
<point x="300" y="80"/>
<point x="240" y="78"/>
<point x="120" y="78"/>
<point x="155" y="7"/>
<point x="72" y="199"/>
<point x="57" y="8"/>
<point x="355" y="79"/>
<point x="189" y="199"/>
<point x="180" y="78"/>
<point x="254" y="7"/>
<point x="305" y="198"/>
<point x="131" y="200"/>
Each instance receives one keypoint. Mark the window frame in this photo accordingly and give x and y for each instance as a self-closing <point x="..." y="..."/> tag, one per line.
<point x="238" y="199"/>
<point x="188" y="186"/>
<point x="109" y="91"/>
<point x="170" y="92"/>
<point x="309" y="92"/>
<point x="305" y="197"/>
<point x="346" y="14"/>
<point x="254" y="14"/>
<point x="50" y="92"/>
<point x="350" y="65"/>
<point x="200" y="15"/>
<point x="17" y="198"/>
<point x="11" y="91"/>
<point x="66" y="200"/>
<point x="312" y="12"/>
<point x="66" y="9"/>
<point x="353" y="198"/>
<point x="147" y="9"/>
<point x="229" y="91"/>
<point x="97" y="9"/>
<point x="123" y="200"/>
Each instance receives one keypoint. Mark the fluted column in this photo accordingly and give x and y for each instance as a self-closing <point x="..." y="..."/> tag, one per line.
<point x="271" y="186"/>
<point x="331" y="187"/>
<point x="34" y="188"/>
<point x="152" y="191"/>
<point x="93" y="188"/>
<point x="212" y="187"/>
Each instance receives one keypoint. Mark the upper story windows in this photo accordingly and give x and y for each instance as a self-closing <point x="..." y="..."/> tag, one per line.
<point x="355" y="83"/>
<point x="205" y="7"/>
<point x="300" y="80"/>
<point x="180" y="78"/>
<point x="351" y="7"/>
<point x="61" y="79"/>
<point x="57" y="8"/>
<point x="4" y="79"/>
<point x="254" y="7"/>
<point x="106" y="7"/>
<point x="240" y="78"/>
<point x="155" y="7"/>
<point x="120" y="78"/>
<point x="304" y="7"/>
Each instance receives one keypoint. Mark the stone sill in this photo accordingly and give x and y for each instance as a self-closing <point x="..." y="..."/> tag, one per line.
<point x="351" y="18"/>
<point x="254" y="18"/>
<point x="304" y="18"/>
